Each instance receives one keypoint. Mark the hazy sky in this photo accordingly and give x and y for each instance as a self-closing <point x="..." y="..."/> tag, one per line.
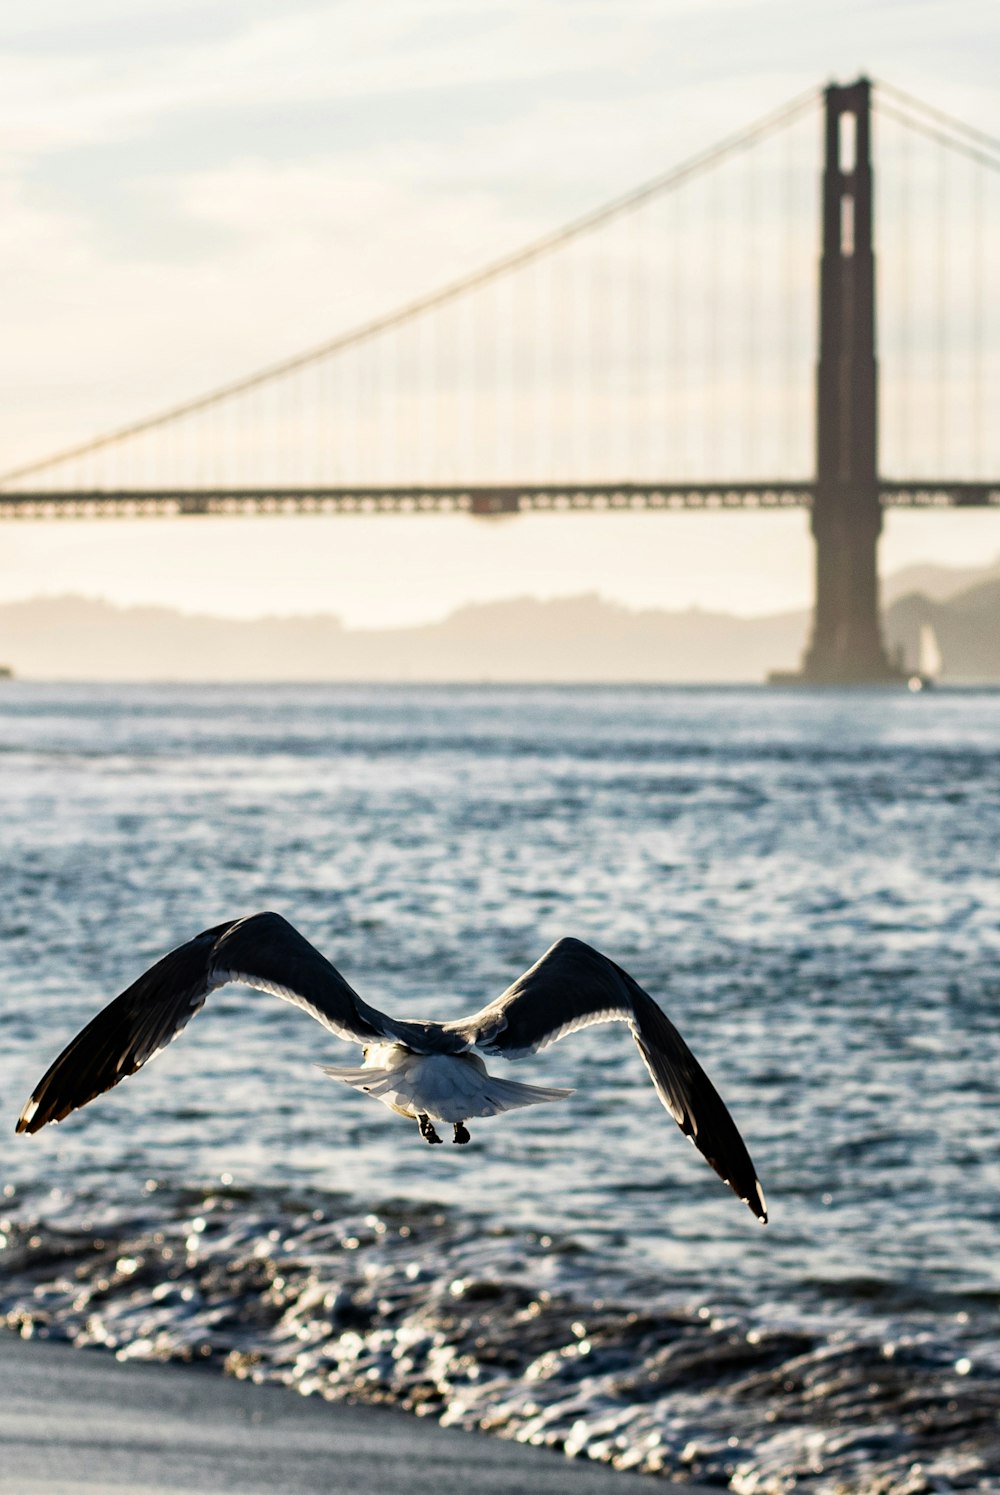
<point x="190" y="190"/>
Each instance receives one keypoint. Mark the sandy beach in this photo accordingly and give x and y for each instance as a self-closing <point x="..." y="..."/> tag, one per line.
<point x="76" y="1422"/>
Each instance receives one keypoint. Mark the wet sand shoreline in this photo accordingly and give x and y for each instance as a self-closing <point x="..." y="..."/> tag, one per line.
<point x="77" y="1422"/>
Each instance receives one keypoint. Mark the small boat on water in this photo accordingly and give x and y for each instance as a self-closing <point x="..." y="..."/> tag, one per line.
<point x="930" y="660"/>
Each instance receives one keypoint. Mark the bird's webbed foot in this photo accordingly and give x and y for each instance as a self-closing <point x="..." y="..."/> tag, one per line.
<point x="426" y="1128"/>
<point x="461" y="1135"/>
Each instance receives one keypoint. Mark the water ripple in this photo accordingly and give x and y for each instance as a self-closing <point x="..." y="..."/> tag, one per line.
<point x="808" y="882"/>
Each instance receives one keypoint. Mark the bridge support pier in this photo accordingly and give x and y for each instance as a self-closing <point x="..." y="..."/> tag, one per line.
<point x="846" y="646"/>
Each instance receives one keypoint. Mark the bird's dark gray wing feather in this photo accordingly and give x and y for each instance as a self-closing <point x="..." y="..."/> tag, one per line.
<point x="573" y="986"/>
<point x="262" y="951"/>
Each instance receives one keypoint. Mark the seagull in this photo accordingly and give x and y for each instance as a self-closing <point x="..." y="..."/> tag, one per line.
<point x="427" y="1071"/>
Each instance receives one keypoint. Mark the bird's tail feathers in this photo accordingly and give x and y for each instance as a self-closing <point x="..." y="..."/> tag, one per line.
<point x="508" y="1095"/>
<point x="491" y="1096"/>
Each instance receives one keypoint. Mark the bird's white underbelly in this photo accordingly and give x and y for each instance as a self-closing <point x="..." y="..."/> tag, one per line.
<point x="446" y="1087"/>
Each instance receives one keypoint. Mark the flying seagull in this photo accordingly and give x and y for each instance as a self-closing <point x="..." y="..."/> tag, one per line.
<point x="424" y="1070"/>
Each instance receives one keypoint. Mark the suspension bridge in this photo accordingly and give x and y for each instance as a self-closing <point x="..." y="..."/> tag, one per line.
<point x="663" y="352"/>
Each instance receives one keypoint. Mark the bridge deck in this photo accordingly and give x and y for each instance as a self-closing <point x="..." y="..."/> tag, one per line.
<point x="481" y="501"/>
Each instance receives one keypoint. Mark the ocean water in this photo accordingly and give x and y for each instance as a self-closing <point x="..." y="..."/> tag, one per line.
<point x="807" y="882"/>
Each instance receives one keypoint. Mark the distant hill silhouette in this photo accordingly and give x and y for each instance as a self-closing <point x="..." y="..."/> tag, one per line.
<point x="520" y="639"/>
<point x="575" y="638"/>
<point x="936" y="583"/>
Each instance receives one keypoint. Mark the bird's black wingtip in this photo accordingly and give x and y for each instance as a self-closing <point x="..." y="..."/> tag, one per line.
<point x="35" y="1114"/>
<point x="758" y="1204"/>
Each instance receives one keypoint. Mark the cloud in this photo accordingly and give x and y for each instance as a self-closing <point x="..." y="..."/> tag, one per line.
<point x="177" y="215"/>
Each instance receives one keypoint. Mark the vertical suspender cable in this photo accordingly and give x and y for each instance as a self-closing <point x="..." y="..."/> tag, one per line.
<point x="209" y="435"/>
<point x="427" y="393"/>
<point x="789" y="215"/>
<point x="394" y="407"/>
<point x="712" y="232"/>
<point x="679" y="409"/>
<point x="978" y="319"/>
<point x="464" y="384"/>
<point x="344" y="393"/>
<point x="643" y="320"/>
<point x="477" y="342"/>
<point x="445" y="464"/>
<point x="515" y="371"/>
<point x="905" y="234"/>
<point x="365" y="413"/>
<point x="405" y="446"/>
<point x="622" y="361"/>
<point x="750" y="376"/>
<point x="289" y="471"/>
<point x="540" y="413"/>
<point x="507" y="305"/>
<point x="335" y="422"/>
<point x="601" y="353"/>
<point x="318" y="425"/>
<point x="578" y="458"/>
<point x="941" y="325"/>
<point x="349" y="428"/>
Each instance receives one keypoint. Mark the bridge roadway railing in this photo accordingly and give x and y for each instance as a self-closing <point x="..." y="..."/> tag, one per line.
<point x="477" y="500"/>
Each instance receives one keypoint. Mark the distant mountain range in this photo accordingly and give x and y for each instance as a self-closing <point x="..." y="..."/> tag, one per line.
<point x="521" y="639"/>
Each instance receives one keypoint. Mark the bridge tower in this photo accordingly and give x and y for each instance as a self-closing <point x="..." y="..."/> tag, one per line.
<point x="846" y="646"/>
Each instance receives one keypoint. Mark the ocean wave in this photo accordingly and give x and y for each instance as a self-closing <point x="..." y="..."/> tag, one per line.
<point x="520" y="1334"/>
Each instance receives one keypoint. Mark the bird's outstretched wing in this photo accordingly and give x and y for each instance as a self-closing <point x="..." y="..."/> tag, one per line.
<point x="262" y="951"/>
<point x="574" y="986"/>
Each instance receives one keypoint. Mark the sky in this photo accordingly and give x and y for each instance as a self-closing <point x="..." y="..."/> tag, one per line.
<point x="189" y="191"/>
